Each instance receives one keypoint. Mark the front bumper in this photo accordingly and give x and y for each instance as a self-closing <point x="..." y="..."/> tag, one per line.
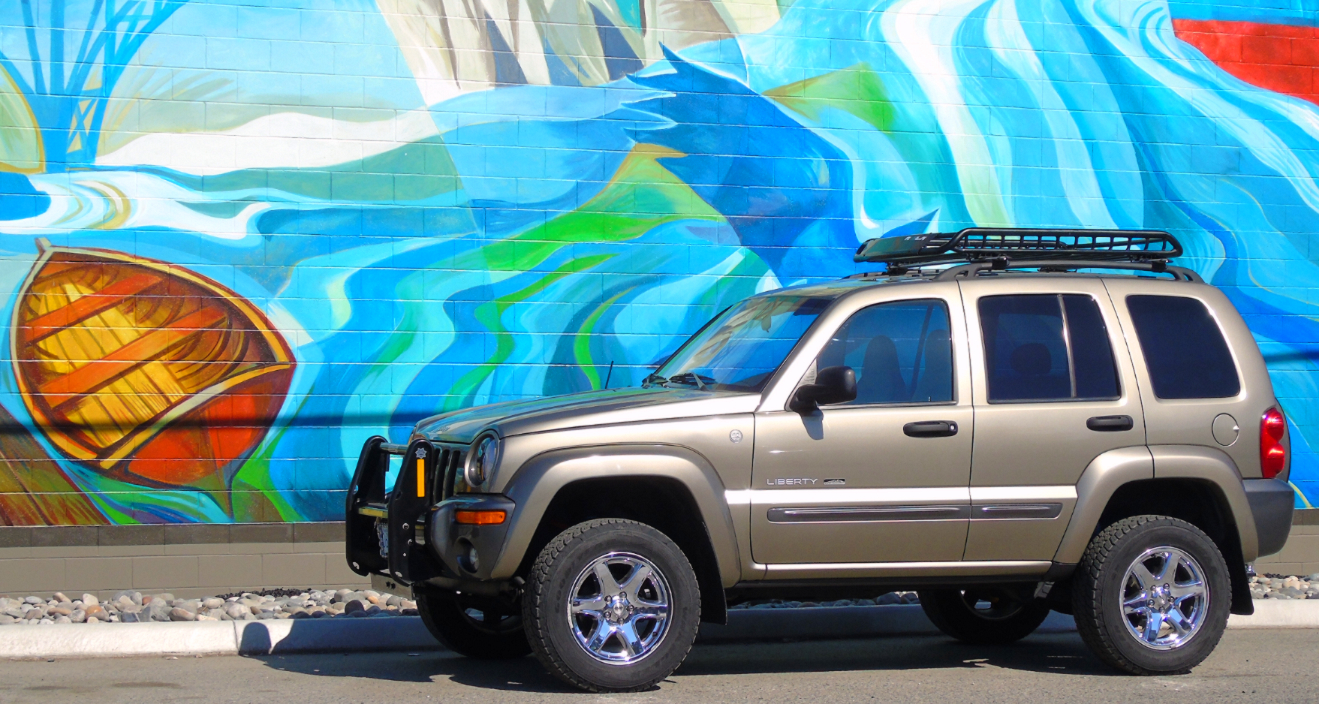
<point x="408" y="535"/>
<point x="1271" y="504"/>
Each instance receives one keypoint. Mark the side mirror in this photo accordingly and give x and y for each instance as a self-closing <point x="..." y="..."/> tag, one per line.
<point x="832" y="385"/>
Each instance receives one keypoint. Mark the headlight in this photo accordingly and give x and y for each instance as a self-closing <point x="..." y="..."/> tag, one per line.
<point x="481" y="461"/>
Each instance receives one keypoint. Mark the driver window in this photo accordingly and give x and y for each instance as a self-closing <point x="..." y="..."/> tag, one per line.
<point x="901" y="353"/>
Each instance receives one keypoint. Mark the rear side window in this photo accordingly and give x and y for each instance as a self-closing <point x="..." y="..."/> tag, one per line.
<point x="1184" y="349"/>
<point x="1046" y="348"/>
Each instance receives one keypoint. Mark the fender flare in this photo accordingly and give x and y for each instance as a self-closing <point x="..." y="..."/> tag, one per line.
<point x="536" y="483"/>
<point x="1217" y="469"/>
<point x="1111" y="470"/>
<point x="1100" y="480"/>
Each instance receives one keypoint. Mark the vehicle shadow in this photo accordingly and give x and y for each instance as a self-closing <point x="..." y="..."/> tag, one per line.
<point x="520" y="675"/>
<point x="1056" y="653"/>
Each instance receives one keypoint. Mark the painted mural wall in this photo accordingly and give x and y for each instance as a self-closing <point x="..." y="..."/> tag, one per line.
<point x="240" y="236"/>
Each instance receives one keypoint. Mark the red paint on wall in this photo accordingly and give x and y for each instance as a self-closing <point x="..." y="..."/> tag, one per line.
<point x="1278" y="57"/>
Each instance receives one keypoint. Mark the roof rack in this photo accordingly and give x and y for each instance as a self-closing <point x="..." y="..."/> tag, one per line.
<point x="979" y="243"/>
<point x="1054" y="266"/>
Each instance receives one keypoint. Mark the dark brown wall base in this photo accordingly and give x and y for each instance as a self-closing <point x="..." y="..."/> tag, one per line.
<point x="185" y="560"/>
<point x="201" y="560"/>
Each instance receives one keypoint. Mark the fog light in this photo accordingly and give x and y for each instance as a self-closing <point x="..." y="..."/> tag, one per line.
<point x="467" y="556"/>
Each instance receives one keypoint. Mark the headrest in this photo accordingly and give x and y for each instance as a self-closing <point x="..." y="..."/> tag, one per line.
<point x="1032" y="359"/>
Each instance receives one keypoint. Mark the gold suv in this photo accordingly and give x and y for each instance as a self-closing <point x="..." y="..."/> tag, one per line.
<point x="1009" y="421"/>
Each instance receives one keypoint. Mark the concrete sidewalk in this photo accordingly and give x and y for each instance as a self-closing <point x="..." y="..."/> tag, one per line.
<point x="407" y="633"/>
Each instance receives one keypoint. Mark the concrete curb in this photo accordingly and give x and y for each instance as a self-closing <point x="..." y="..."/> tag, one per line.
<point x="275" y="636"/>
<point x="291" y="636"/>
<point x="1279" y="613"/>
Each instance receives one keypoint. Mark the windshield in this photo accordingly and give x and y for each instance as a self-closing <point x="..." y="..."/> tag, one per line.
<point x="743" y="347"/>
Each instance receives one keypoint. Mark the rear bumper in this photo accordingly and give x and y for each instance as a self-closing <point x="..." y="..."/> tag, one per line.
<point x="408" y="535"/>
<point x="1271" y="504"/>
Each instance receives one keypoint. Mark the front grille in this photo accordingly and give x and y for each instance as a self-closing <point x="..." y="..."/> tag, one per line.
<point x="446" y="470"/>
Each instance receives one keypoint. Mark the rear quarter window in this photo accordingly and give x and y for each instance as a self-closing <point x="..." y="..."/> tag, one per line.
<point x="1184" y="348"/>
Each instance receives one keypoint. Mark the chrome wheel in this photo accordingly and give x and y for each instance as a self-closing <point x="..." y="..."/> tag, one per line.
<point x="618" y="608"/>
<point x="1165" y="598"/>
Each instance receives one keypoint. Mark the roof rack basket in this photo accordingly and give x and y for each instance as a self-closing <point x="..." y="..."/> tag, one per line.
<point x="982" y="243"/>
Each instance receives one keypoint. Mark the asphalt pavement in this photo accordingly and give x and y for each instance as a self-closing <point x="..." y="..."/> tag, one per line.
<point x="1265" y="665"/>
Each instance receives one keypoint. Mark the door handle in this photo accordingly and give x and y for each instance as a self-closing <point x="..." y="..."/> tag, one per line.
<point x="1110" y="423"/>
<point x="930" y="429"/>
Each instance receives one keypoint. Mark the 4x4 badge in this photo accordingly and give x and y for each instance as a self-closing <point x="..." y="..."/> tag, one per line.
<point x="735" y="435"/>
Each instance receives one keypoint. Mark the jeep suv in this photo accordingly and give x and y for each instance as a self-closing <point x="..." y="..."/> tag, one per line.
<point x="1007" y="421"/>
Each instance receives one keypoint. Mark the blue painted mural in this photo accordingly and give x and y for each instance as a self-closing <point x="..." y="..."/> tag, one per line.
<point x="238" y="239"/>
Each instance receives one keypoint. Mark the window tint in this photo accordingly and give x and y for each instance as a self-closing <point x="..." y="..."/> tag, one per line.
<point x="1185" y="352"/>
<point x="901" y="353"/>
<point x="1046" y="348"/>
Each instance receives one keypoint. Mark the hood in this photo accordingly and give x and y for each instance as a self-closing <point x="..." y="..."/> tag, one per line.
<point x="605" y="407"/>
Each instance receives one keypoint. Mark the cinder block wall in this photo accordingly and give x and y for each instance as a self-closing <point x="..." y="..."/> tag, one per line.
<point x="305" y="223"/>
<point x="190" y="561"/>
<point x="1301" y="554"/>
<point x="186" y="561"/>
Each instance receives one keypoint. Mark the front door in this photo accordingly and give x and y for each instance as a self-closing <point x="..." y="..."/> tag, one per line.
<point x="882" y="478"/>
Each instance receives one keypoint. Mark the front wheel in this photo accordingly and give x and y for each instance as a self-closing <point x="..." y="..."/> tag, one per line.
<point x="484" y="629"/>
<point x="611" y="606"/>
<point x="1151" y="595"/>
<point x="982" y="616"/>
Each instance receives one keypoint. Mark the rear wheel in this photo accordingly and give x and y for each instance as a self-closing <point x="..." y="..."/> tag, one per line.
<point x="1151" y="595"/>
<point x="611" y="606"/>
<point x="983" y="616"/>
<point x="480" y="628"/>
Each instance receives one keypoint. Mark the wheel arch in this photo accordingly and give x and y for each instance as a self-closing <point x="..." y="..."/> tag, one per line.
<point x="1190" y="483"/>
<point x="670" y="488"/>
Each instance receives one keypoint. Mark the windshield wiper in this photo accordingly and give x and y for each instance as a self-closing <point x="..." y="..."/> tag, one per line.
<point x="702" y="383"/>
<point x="654" y="379"/>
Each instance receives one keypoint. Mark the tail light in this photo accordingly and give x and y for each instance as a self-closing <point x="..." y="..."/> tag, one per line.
<point x="1272" y="453"/>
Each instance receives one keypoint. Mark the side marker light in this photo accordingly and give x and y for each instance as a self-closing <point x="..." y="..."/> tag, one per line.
<point x="479" y="518"/>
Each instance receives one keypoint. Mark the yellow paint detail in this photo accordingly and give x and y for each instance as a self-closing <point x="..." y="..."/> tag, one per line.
<point x="21" y="147"/>
<point x="421" y="478"/>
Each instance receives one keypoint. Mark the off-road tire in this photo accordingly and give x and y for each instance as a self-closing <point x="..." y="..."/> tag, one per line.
<point x="446" y="618"/>
<point x="545" y="599"/>
<point x="948" y="610"/>
<point x="1097" y="592"/>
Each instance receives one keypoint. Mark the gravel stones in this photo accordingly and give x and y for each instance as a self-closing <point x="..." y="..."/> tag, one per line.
<point x="179" y="613"/>
<point x="135" y="607"/>
<point x="157" y="610"/>
<point x="1277" y="586"/>
<point x="129" y="607"/>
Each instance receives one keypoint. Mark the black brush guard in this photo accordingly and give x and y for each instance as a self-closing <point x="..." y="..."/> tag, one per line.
<point x="386" y="531"/>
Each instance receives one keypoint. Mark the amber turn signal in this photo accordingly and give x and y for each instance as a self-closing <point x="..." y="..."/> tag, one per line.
<point x="479" y="518"/>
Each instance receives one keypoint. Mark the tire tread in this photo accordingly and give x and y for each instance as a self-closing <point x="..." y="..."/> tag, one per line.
<point x="1086" y="596"/>
<point x="535" y="605"/>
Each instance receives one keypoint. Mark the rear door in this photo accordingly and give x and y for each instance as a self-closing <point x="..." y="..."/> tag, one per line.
<point x="1053" y="389"/>
<point x="1198" y="389"/>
